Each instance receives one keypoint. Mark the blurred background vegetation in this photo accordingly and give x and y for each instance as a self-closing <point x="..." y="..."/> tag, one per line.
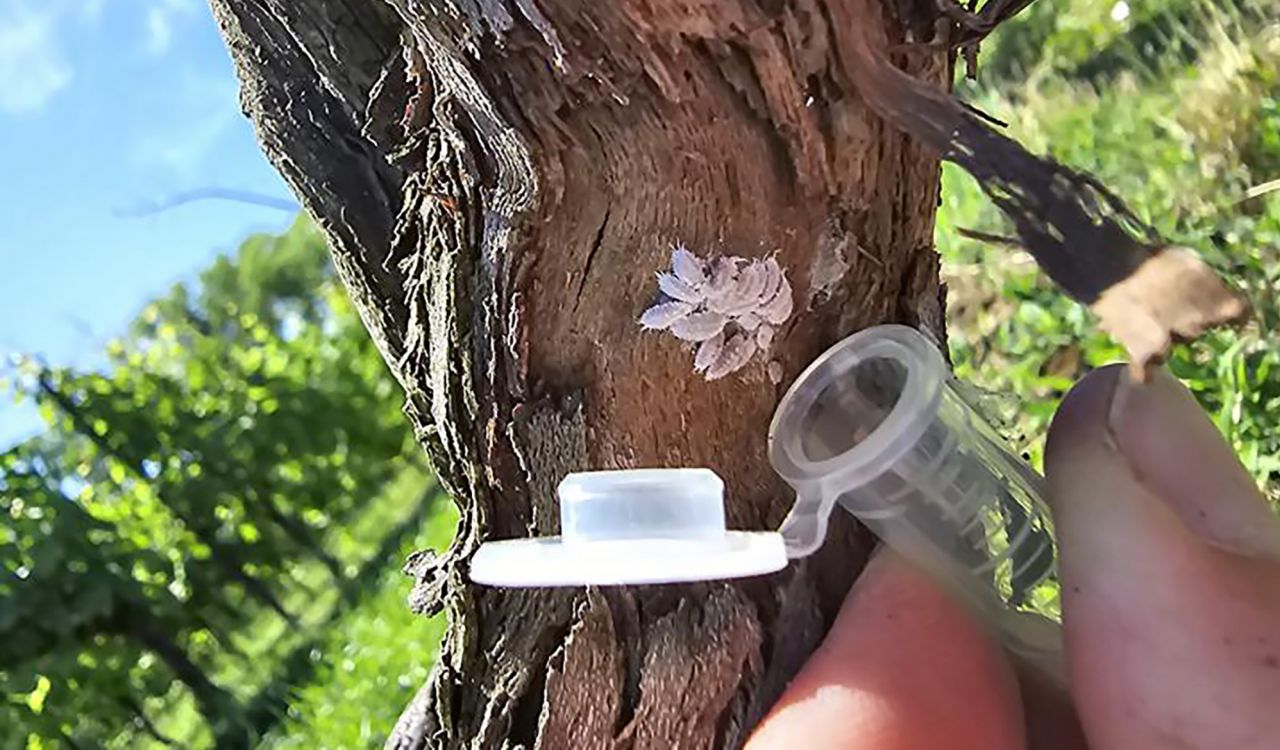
<point x="203" y="547"/>
<point x="1174" y="104"/>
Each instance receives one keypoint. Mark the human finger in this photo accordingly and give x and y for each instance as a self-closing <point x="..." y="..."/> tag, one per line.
<point x="904" y="668"/>
<point x="1171" y="584"/>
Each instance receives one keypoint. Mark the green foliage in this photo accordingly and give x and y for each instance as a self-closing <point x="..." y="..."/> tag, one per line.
<point x="188" y="492"/>
<point x="1096" y="40"/>
<point x="1181" y="143"/>
<point x="375" y="661"/>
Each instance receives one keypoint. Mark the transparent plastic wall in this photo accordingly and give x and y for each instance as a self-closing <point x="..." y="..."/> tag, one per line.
<point x="876" y="427"/>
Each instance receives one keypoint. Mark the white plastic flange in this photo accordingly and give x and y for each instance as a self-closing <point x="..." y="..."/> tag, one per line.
<point x="633" y="527"/>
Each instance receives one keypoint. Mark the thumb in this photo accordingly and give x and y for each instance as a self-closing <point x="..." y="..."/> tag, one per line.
<point x="1170" y="572"/>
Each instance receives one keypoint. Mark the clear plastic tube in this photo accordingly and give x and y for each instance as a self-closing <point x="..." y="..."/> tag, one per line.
<point x="876" y="426"/>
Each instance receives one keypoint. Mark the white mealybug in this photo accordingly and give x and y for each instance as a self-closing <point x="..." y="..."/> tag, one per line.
<point x="662" y="315"/>
<point x="688" y="267"/>
<point x="778" y="309"/>
<point x="724" y="272"/>
<point x="698" y="326"/>
<point x="677" y="288"/>
<point x="749" y="321"/>
<point x="708" y="352"/>
<point x="764" y="337"/>
<point x="736" y="352"/>
<point x="774" y="278"/>
<point x="741" y="295"/>
<point x="730" y="307"/>
<point x="752" y="281"/>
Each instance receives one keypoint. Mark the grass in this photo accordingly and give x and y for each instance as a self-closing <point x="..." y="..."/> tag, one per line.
<point x="374" y="659"/>
<point x="1181" y="136"/>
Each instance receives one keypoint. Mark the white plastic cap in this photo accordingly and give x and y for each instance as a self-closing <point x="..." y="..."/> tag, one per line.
<point x="633" y="527"/>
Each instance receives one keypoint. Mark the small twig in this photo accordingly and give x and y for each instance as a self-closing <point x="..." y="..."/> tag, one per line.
<point x="1257" y="191"/>
<point x="147" y="208"/>
<point x="993" y="239"/>
<point x="987" y="116"/>
<point x="868" y="255"/>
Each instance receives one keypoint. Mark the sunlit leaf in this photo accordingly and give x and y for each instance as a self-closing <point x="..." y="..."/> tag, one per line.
<point x="35" y="699"/>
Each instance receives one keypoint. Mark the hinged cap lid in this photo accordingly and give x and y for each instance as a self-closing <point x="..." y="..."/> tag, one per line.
<point x="633" y="527"/>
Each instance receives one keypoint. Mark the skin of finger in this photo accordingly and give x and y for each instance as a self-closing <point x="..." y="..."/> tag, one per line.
<point x="1052" y="722"/>
<point x="1172" y="642"/>
<point x="903" y="668"/>
<point x="1176" y="451"/>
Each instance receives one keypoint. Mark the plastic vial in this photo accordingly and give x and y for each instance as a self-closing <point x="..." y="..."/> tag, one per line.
<point x="876" y="427"/>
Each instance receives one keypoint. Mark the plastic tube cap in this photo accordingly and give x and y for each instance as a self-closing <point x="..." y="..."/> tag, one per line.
<point x="633" y="527"/>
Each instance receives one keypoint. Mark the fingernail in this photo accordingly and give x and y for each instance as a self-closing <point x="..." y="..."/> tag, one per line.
<point x="1175" y="450"/>
<point x="1105" y="518"/>
<point x="1162" y="438"/>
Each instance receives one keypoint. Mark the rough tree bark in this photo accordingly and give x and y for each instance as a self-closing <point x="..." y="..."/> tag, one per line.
<point x="499" y="180"/>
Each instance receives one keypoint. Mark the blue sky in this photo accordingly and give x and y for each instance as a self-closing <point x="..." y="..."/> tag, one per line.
<point x="105" y="106"/>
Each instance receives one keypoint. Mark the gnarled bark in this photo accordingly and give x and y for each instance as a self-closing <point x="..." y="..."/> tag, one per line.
<point x="499" y="180"/>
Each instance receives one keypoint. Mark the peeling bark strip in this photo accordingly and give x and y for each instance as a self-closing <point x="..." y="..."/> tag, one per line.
<point x="697" y="659"/>
<point x="585" y="681"/>
<point x="1146" y="294"/>
<point x="499" y="181"/>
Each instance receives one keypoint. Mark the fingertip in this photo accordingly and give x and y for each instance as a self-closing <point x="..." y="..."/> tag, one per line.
<point x="1156" y="432"/>
<point x="1083" y="414"/>
<point x="1175" y="448"/>
<point x="904" y="667"/>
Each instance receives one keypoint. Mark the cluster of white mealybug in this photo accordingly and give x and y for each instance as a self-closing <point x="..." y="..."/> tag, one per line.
<point x="729" y="307"/>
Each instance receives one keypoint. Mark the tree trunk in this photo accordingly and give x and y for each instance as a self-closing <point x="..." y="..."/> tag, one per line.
<point x="499" y="180"/>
